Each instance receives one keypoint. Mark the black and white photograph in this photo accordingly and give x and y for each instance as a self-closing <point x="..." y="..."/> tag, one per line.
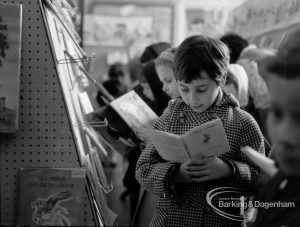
<point x="154" y="113"/>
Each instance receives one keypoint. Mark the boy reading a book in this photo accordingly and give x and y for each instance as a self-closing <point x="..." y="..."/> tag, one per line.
<point x="200" y="70"/>
<point x="283" y="73"/>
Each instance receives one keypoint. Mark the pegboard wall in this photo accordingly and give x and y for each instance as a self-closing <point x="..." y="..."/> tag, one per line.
<point x="44" y="137"/>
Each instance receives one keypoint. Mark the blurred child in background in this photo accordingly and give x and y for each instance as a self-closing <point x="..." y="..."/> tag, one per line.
<point x="248" y="55"/>
<point x="237" y="84"/>
<point x="283" y="73"/>
<point x="164" y="65"/>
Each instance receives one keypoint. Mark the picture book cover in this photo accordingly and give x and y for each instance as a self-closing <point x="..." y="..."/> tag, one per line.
<point x="10" y="58"/>
<point x="208" y="139"/>
<point x="134" y="111"/>
<point x="51" y="196"/>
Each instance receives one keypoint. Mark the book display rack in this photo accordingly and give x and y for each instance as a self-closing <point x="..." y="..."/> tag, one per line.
<point x="50" y="133"/>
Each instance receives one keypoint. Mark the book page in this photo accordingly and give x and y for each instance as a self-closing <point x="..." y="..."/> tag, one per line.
<point x="208" y="139"/>
<point x="168" y="145"/>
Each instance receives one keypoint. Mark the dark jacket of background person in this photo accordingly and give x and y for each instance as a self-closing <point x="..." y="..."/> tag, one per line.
<point x="158" y="106"/>
<point x="135" y="70"/>
<point x="161" y="98"/>
<point x="283" y="190"/>
<point x="137" y="67"/>
<point x="115" y="88"/>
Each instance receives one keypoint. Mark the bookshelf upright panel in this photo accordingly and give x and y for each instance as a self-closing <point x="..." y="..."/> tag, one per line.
<point x="44" y="137"/>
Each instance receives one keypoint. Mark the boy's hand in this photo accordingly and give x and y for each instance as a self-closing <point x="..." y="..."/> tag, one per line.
<point x="182" y="176"/>
<point x="207" y="168"/>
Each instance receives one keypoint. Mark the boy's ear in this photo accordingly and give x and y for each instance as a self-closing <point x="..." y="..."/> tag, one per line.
<point x="223" y="80"/>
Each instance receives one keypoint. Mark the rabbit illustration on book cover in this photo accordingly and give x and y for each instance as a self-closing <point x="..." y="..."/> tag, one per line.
<point x="49" y="211"/>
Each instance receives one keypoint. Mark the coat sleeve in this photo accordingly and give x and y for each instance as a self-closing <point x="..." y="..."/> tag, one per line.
<point x="245" y="172"/>
<point x="152" y="171"/>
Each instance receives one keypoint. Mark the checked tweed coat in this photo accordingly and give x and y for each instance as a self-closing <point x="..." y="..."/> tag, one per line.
<point x="185" y="204"/>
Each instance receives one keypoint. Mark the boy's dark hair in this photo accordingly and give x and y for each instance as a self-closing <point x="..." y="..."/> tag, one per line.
<point x="116" y="70"/>
<point x="286" y="63"/>
<point x="199" y="53"/>
<point x="236" y="44"/>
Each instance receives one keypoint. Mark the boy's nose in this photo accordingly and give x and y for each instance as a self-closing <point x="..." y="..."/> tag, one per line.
<point x="193" y="99"/>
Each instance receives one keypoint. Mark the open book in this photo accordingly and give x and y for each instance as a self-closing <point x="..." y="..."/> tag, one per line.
<point x="208" y="139"/>
<point x="134" y="111"/>
<point x="125" y="115"/>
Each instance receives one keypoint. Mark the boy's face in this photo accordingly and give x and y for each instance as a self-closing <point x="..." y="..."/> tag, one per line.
<point x="284" y="123"/>
<point x="200" y="93"/>
<point x="167" y="77"/>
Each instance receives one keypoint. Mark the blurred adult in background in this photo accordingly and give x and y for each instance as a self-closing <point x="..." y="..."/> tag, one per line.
<point x="164" y="65"/>
<point x="249" y="56"/>
<point x="117" y="83"/>
<point x="118" y="72"/>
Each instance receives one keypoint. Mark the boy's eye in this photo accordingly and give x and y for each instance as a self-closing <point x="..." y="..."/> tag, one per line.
<point x="201" y="90"/>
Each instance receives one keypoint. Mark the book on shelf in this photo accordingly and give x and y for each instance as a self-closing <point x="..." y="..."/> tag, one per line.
<point x="51" y="196"/>
<point x="208" y="139"/>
